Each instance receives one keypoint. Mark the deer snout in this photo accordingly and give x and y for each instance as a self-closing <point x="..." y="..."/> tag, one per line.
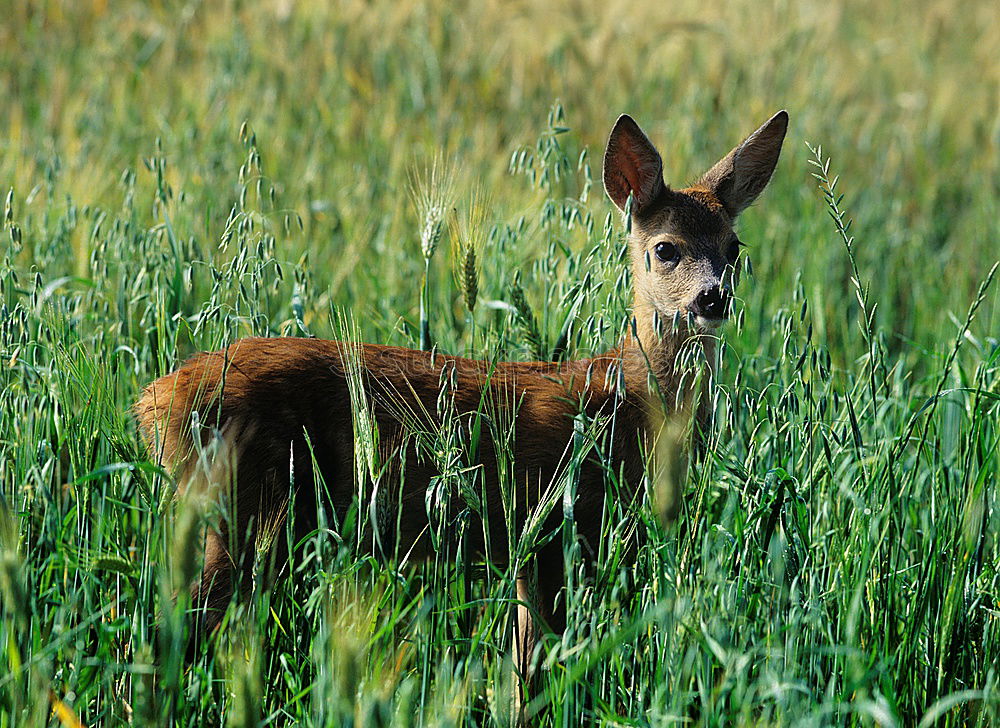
<point x="712" y="303"/>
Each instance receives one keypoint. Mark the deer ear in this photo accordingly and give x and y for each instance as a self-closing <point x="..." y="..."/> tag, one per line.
<point x="631" y="165"/>
<point x="741" y="175"/>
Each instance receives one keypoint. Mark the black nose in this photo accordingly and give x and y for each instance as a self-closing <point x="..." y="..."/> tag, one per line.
<point x="712" y="303"/>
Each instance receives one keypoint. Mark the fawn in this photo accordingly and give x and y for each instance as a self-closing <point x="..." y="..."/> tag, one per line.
<point x="284" y="404"/>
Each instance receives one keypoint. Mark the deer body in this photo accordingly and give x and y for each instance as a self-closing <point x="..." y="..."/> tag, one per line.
<point x="282" y="403"/>
<point x="286" y="401"/>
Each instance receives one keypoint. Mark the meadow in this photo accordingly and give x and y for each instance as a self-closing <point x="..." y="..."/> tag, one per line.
<point x="179" y="174"/>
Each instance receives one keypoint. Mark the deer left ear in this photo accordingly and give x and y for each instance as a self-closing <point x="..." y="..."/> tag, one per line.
<point x="631" y="166"/>
<point x="739" y="177"/>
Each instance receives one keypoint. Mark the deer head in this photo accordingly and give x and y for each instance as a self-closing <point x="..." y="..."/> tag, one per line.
<point x="685" y="254"/>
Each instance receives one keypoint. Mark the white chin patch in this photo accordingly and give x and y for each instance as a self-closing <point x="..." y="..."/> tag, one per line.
<point x="708" y="323"/>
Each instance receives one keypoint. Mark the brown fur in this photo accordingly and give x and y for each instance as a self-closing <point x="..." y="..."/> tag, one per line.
<point x="271" y="397"/>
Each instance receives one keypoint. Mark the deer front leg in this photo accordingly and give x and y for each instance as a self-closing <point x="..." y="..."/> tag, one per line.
<point x="537" y="614"/>
<point x="526" y="635"/>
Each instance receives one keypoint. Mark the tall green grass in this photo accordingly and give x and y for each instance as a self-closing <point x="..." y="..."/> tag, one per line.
<point x="178" y="175"/>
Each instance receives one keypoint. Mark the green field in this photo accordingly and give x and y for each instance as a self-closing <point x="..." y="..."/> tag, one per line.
<point x="179" y="174"/>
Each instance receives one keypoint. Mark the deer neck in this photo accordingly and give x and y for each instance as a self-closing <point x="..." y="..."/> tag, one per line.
<point x="662" y="360"/>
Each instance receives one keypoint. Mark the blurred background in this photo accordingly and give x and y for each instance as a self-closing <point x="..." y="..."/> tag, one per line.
<point x="347" y="99"/>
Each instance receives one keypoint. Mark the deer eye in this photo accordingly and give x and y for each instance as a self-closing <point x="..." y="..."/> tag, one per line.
<point x="733" y="252"/>
<point x="667" y="252"/>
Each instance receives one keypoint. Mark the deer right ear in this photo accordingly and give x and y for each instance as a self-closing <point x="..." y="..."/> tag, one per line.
<point x="741" y="175"/>
<point x="631" y="166"/>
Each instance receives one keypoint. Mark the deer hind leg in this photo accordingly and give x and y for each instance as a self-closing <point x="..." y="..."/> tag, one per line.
<point x="240" y="548"/>
<point x="213" y="590"/>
